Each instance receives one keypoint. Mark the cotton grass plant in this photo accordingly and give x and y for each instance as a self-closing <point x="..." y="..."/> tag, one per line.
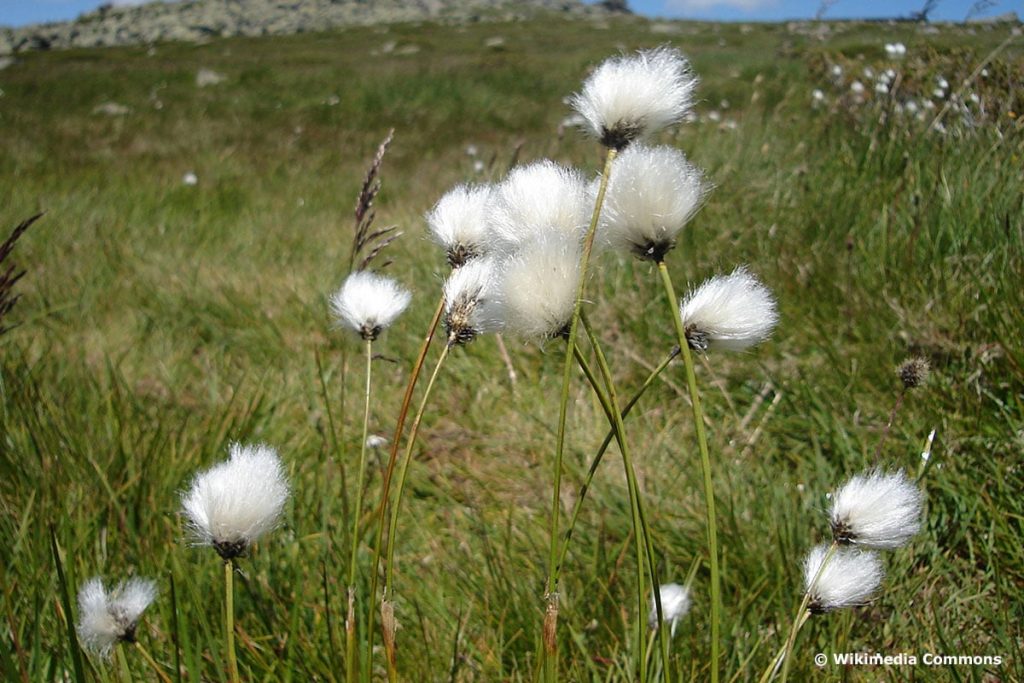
<point x="229" y="507"/>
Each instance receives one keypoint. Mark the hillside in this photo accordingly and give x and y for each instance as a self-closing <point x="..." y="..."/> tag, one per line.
<point x="194" y="20"/>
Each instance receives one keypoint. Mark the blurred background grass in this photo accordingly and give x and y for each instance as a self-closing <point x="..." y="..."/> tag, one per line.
<point x="160" y="321"/>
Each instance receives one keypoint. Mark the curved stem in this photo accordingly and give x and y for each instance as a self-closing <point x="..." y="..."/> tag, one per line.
<point x="414" y="376"/>
<point x="389" y="575"/>
<point x="598" y="457"/>
<point x="357" y="511"/>
<point x="550" y="653"/>
<point x="122" y="663"/>
<point x="229" y="618"/>
<point x="803" y="613"/>
<point x="152" y="663"/>
<point x="705" y="463"/>
<point x="640" y="528"/>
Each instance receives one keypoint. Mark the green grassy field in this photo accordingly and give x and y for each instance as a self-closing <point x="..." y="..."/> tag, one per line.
<point x="161" y="321"/>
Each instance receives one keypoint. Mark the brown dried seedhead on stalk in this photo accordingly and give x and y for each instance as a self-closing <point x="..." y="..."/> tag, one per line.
<point x="9" y="273"/>
<point x="367" y="243"/>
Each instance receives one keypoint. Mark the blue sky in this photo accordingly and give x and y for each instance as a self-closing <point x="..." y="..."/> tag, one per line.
<point x="19" y="12"/>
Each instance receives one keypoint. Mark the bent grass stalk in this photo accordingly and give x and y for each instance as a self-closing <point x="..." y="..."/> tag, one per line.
<point x="152" y="663"/>
<point x="705" y="462"/>
<point x="387" y="605"/>
<point x="641" y="529"/>
<point x="229" y="619"/>
<point x="802" y="615"/>
<point x="599" y="456"/>
<point x="350" y="622"/>
<point x="122" y="663"/>
<point x="550" y="647"/>
<point x="403" y="413"/>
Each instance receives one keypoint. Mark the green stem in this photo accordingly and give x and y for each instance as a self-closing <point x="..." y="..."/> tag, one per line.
<point x="550" y="652"/>
<point x="152" y="663"/>
<point x="403" y="413"/>
<point x="640" y="527"/>
<point x="803" y="613"/>
<point x="598" y="457"/>
<point x="122" y="663"/>
<point x="705" y="463"/>
<point x="357" y="511"/>
<point x="389" y="573"/>
<point x="229" y="619"/>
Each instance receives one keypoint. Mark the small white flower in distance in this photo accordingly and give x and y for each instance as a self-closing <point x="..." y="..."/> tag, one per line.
<point x="472" y="301"/>
<point x="675" y="604"/>
<point x="539" y="284"/>
<point x="105" y="619"/>
<point x="857" y="87"/>
<point x="731" y="312"/>
<point x="817" y="95"/>
<point x="232" y="504"/>
<point x="376" y="441"/>
<point x="848" y="579"/>
<point x="633" y="96"/>
<point x="652" y="193"/>
<point x="535" y="198"/>
<point x="368" y="303"/>
<point x="458" y="222"/>
<point x="190" y="178"/>
<point x="876" y="510"/>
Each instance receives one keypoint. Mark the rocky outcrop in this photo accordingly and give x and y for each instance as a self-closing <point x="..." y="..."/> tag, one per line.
<point x="193" y="20"/>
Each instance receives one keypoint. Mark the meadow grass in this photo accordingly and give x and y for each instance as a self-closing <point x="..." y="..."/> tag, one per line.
<point x="160" y="321"/>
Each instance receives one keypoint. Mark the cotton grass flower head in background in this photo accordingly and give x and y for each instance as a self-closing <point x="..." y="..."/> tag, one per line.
<point x="368" y="303"/>
<point x="539" y="284"/>
<point x="105" y="619"/>
<point x="876" y="510"/>
<point x="633" y="96"/>
<point x="848" y="579"/>
<point x="472" y="301"/>
<point x="232" y="504"/>
<point x="913" y="372"/>
<point x="652" y="194"/>
<point x="732" y="312"/>
<point x="458" y="222"/>
<point x="535" y="198"/>
<point x="675" y="604"/>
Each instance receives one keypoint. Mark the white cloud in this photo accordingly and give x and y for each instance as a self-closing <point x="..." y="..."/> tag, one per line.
<point x="698" y="5"/>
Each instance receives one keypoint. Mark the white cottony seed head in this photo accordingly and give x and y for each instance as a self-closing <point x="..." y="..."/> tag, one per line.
<point x="876" y="510"/>
<point x="235" y="502"/>
<point x="732" y="312"/>
<point x="105" y="619"/>
<point x="539" y="284"/>
<point x="537" y="198"/>
<point x="472" y="301"/>
<point x="368" y="303"/>
<point x="848" y="579"/>
<point x="652" y="193"/>
<point x="458" y="222"/>
<point x="630" y="97"/>
<point x="675" y="603"/>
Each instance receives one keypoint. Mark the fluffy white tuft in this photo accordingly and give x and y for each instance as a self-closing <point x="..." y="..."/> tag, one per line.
<point x="877" y="510"/>
<point x="104" y="619"/>
<point x="652" y="193"/>
<point x="731" y="312"/>
<point x="675" y="604"/>
<point x="458" y="222"/>
<point x="539" y="284"/>
<point x="630" y="97"/>
<point x="472" y="301"/>
<point x="368" y="303"/>
<point x="849" y="578"/>
<point x="235" y="502"/>
<point x="537" y="198"/>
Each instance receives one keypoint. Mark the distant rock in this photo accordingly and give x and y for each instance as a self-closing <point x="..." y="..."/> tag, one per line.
<point x="111" y="109"/>
<point x="1004" y="18"/>
<point x="197" y="20"/>
<point x="208" y="77"/>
